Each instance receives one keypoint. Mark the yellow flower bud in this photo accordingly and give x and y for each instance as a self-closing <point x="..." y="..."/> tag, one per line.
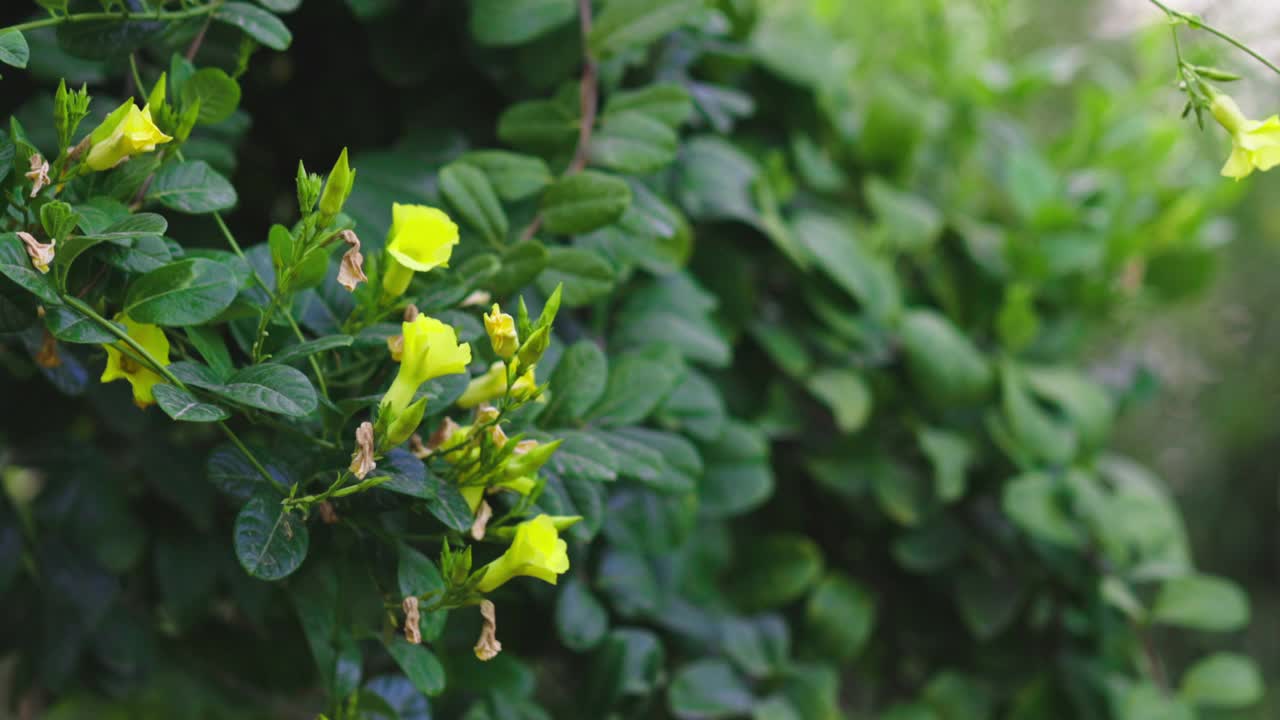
<point x="536" y="551"/>
<point x="1254" y="145"/>
<point x="421" y="238"/>
<point x="431" y="349"/>
<point x="122" y="366"/>
<point x="126" y="132"/>
<point x="493" y="384"/>
<point x="501" y="328"/>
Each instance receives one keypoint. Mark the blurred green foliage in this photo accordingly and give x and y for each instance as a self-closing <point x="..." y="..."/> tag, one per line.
<point x="835" y="279"/>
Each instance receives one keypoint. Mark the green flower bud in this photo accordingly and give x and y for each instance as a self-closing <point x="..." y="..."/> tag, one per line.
<point x="337" y="188"/>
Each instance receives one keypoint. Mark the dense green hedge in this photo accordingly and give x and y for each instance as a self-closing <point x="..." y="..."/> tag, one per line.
<point x="824" y="274"/>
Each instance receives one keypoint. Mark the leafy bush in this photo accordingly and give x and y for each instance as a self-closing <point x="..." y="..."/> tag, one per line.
<point x="790" y="305"/>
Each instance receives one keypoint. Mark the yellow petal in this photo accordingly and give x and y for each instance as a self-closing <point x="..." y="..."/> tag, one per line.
<point x="421" y="237"/>
<point x="1238" y="165"/>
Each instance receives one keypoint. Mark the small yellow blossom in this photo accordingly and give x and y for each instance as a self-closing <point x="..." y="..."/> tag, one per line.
<point x="126" y="132"/>
<point x="493" y="384"/>
<point x="501" y="328"/>
<point x="430" y="350"/>
<point x="123" y="366"/>
<point x="1254" y="145"/>
<point x="421" y="238"/>
<point x="536" y="551"/>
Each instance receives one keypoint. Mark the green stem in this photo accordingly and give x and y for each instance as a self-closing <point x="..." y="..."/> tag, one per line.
<point x="1199" y="24"/>
<point x="297" y="331"/>
<point x="121" y="15"/>
<point x="86" y="310"/>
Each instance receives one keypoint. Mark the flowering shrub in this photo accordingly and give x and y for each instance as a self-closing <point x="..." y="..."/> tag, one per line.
<point x="729" y="352"/>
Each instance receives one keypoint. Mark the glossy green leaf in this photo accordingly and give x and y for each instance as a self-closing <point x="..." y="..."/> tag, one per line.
<point x="256" y="23"/>
<point x="192" y="187"/>
<point x="181" y="405"/>
<point x="186" y="292"/>
<point x="270" y="543"/>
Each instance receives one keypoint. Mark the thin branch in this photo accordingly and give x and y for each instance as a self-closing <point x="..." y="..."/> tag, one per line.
<point x="588" y="91"/>
<point x="589" y="106"/>
<point x="121" y="15"/>
<point x="1199" y="24"/>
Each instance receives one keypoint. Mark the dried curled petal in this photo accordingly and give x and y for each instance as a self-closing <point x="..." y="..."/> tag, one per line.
<point x="362" y="459"/>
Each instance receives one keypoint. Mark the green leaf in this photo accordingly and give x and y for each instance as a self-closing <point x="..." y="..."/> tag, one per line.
<point x="1201" y="602"/>
<point x="775" y="570"/>
<point x="312" y="347"/>
<point x="408" y="475"/>
<point x="1224" y="680"/>
<point x="586" y="276"/>
<point x="846" y="394"/>
<point x="15" y="265"/>
<point x="270" y="543"/>
<point x="668" y="103"/>
<point x="583" y="202"/>
<point x="13" y="48"/>
<point x="107" y="39"/>
<point x="187" y="292"/>
<point x="418" y="664"/>
<point x="68" y="325"/>
<point x="449" y="507"/>
<point x="581" y="621"/>
<point x="760" y="646"/>
<point x="215" y="90"/>
<point x="951" y="455"/>
<point x="943" y="361"/>
<point x="502" y="23"/>
<point x="514" y="176"/>
<point x="417" y="575"/>
<point x="628" y="24"/>
<point x="231" y="472"/>
<point x="1037" y="503"/>
<point x="843" y="256"/>
<point x="521" y="265"/>
<point x="192" y="187"/>
<point x="583" y="456"/>
<point x="1036" y="431"/>
<point x="577" y="382"/>
<point x="633" y="143"/>
<point x="628" y="664"/>
<point x="274" y="388"/>
<point x="638" y="382"/>
<point x="1149" y="701"/>
<point x="912" y="223"/>
<point x="737" y="476"/>
<point x="988" y="603"/>
<point x="715" y="181"/>
<point x="708" y="690"/>
<point x="470" y="194"/>
<point x="538" y="125"/>
<point x="839" y="617"/>
<point x="183" y="406"/>
<point x="281" y="6"/>
<point x="256" y="23"/>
